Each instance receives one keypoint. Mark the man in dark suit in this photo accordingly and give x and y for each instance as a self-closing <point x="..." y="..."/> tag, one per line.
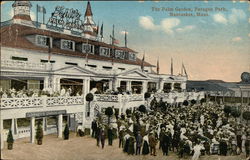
<point x="94" y="128"/>
<point x="138" y="143"/>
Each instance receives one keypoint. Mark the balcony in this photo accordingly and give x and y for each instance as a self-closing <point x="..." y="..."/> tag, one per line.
<point x="24" y="65"/>
<point x="180" y="97"/>
<point x="118" y="98"/>
<point x="36" y="102"/>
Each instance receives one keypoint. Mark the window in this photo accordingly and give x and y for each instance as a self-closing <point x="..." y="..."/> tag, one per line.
<point x="67" y="44"/>
<point x="106" y="67"/>
<point x="87" y="48"/>
<point x="119" y="54"/>
<point x="46" y="61"/>
<point x="105" y="52"/>
<point x="89" y="65"/>
<point x="132" y="56"/>
<point x="42" y="40"/>
<point x="70" y="63"/>
<point x="121" y="69"/>
<point x="19" y="58"/>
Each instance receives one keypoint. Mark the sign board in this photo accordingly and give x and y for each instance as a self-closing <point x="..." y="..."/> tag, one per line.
<point x="44" y="114"/>
<point x="66" y="18"/>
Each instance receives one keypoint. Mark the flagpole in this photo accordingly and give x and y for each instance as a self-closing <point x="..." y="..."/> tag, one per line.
<point x="113" y="50"/>
<point x="37" y="16"/>
<point x="125" y="38"/>
<point x="43" y="15"/>
<point x="172" y="66"/>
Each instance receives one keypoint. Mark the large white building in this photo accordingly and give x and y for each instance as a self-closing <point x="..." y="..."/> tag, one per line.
<point x="46" y="57"/>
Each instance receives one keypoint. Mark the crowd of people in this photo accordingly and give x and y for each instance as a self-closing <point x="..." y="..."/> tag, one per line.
<point x="193" y="130"/>
<point x="25" y="93"/>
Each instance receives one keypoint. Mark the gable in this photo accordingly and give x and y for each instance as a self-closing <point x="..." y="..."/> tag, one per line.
<point x="134" y="74"/>
<point x="74" y="70"/>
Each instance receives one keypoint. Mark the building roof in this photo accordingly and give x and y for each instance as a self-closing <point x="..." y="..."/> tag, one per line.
<point x="14" y="36"/>
<point x="209" y="86"/>
<point x="23" y="17"/>
<point x="88" y="11"/>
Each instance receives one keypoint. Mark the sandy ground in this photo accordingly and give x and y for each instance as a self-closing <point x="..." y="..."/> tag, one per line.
<point x="83" y="148"/>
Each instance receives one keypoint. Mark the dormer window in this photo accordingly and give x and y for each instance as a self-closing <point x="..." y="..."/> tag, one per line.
<point x="119" y="54"/>
<point x="43" y="40"/>
<point x="87" y="48"/>
<point x="67" y="44"/>
<point x="104" y="52"/>
<point x="132" y="56"/>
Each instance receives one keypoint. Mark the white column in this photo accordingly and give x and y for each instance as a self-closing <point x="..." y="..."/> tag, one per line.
<point x="16" y="126"/>
<point x="60" y="121"/>
<point x="13" y="126"/>
<point x="32" y="130"/>
<point x="116" y="84"/>
<point x="128" y="85"/>
<point x="172" y="86"/>
<point x="46" y="82"/>
<point x="1" y="134"/>
<point x="58" y="84"/>
<point x="183" y="86"/>
<point x="87" y="85"/>
<point x="44" y="124"/>
<point x="144" y="86"/>
<point x="111" y="84"/>
<point x="161" y="85"/>
<point x="120" y="103"/>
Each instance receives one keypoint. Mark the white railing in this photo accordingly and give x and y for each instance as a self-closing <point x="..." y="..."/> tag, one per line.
<point x="60" y="101"/>
<point x="136" y="97"/>
<point x="118" y="98"/>
<point x="31" y="102"/>
<point x="106" y="98"/>
<point x="181" y="95"/>
<point x="25" y="65"/>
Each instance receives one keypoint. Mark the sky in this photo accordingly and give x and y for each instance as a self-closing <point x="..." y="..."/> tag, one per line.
<point x="213" y="46"/>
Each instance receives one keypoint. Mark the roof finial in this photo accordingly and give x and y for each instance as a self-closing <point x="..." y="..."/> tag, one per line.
<point x="88" y="11"/>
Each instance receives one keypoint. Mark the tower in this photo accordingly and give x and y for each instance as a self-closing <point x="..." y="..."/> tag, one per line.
<point x="22" y="10"/>
<point x="90" y="28"/>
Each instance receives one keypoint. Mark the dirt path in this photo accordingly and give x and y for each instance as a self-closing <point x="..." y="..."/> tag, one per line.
<point x="82" y="148"/>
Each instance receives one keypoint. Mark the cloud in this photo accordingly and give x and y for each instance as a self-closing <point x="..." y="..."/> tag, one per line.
<point x="237" y="14"/>
<point x="147" y="22"/>
<point x="166" y="25"/>
<point x="236" y="39"/>
<point x="233" y="18"/>
<point x="186" y="28"/>
<point x="220" y="18"/>
<point x="123" y="32"/>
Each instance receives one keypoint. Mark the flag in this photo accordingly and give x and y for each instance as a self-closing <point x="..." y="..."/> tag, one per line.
<point x="172" y="69"/>
<point x="158" y="67"/>
<point x="41" y="9"/>
<point x="116" y="41"/>
<point x="101" y="32"/>
<point x="125" y="39"/>
<point x="142" y="62"/>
